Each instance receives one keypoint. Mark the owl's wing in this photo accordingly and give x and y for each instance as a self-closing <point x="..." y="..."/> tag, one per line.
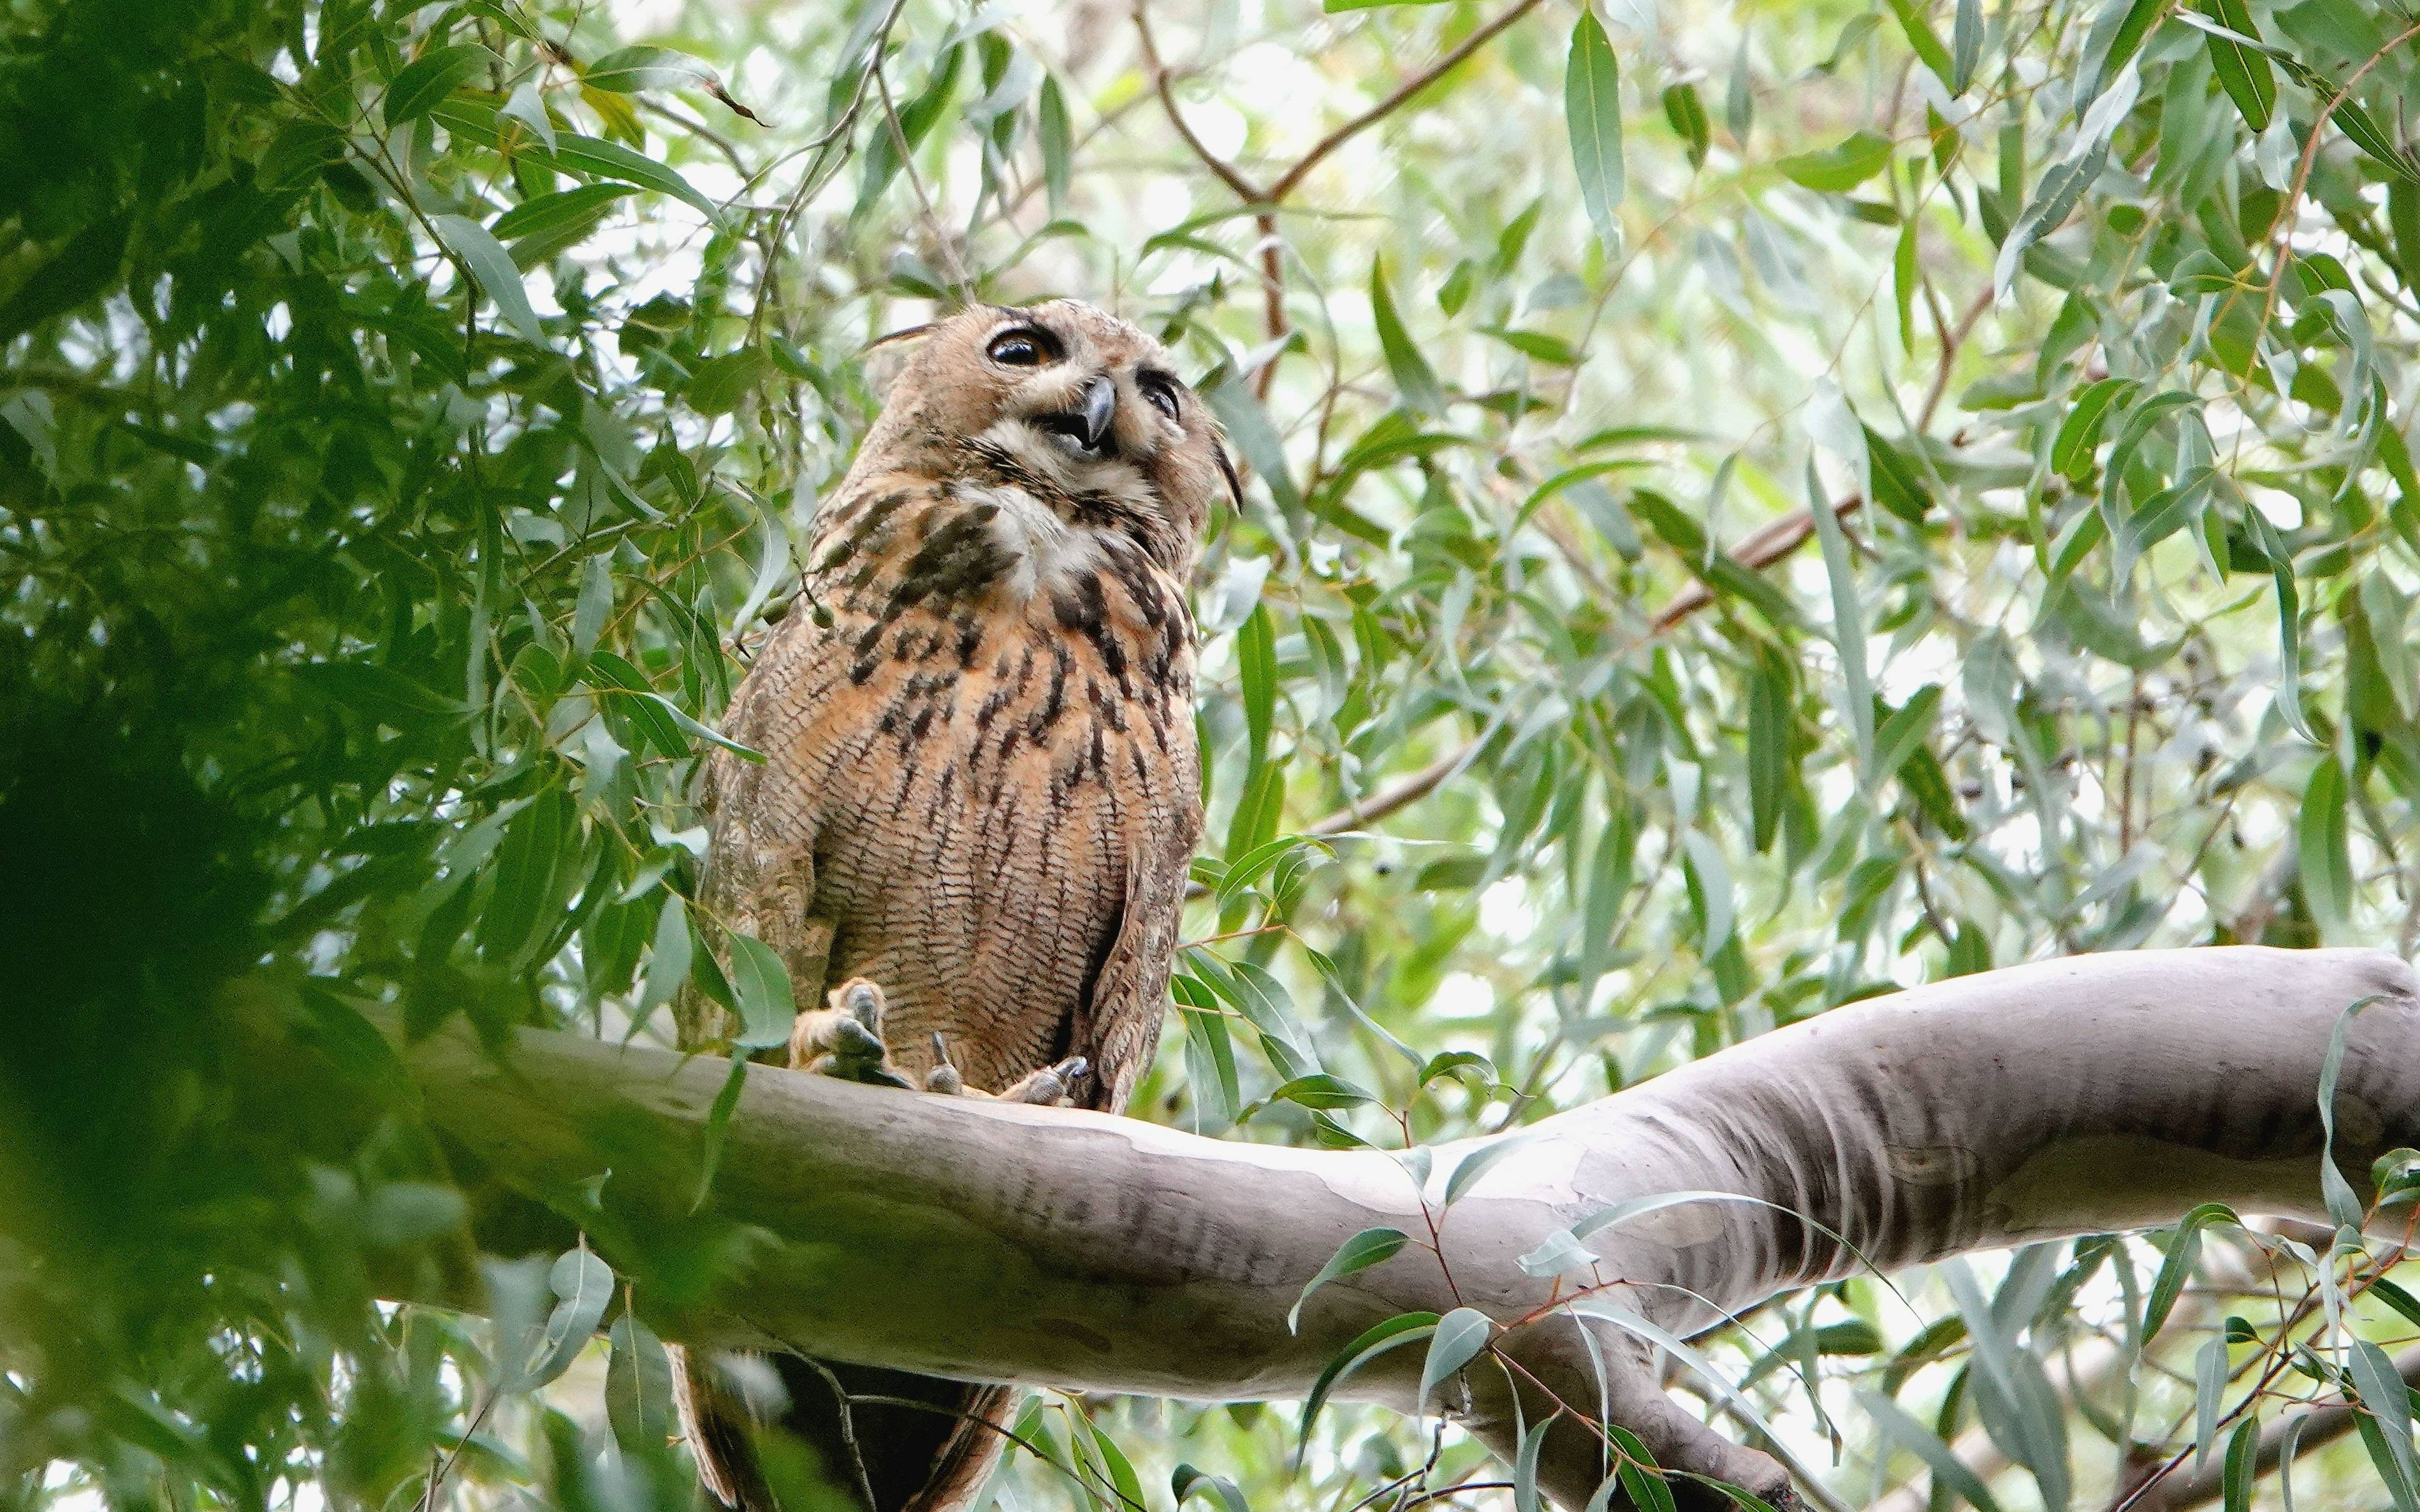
<point x="759" y="878"/>
<point x="1118" y="1026"/>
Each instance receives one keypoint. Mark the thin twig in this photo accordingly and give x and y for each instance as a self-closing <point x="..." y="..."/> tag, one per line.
<point x="1265" y="201"/>
<point x="1951" y="340"/>
<point x="1292" y="177"/>
<point x="2281" y="254"/>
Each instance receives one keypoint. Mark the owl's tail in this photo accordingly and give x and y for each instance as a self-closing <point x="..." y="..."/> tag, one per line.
<point x="887" y="1440"/>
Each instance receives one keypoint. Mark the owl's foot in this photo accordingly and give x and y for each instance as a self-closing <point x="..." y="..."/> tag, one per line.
<point x="1047" y="1088"/>
<point x="845" y="1039"/>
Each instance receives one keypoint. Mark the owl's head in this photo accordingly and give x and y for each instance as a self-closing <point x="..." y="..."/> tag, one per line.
<point x="1079" y="409"/>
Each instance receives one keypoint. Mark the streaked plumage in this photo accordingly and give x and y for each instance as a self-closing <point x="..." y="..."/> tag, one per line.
<point x="981" y="789"/>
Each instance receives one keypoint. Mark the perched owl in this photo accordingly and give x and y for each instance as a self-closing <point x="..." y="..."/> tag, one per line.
<point x="980" y="790"/>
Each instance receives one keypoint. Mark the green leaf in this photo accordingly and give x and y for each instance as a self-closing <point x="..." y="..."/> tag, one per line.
<point x="2117" y="32"/>
<point x="1710" y="885"/>
<point x="1058" y="143"/>
<point x="1256" y="658"/>
<point x="1470" y="1167"/>
<point x="1185" y="1482"/>
<point x="2209" y="1395"/>
<point x="1592" y="115"/>
<point x="1903" y="732"/>
<point x="2242" y="70"/>
<point x="1926" y="42"/>
<point x="1524" y="1464"/>
<point x="2321" y="832"/>
<point x="2344" y="1207"/>
<point x="638" y="1390"/>
<point x="722" y="384"/>
<point x="1410" y="370"/>
<point x="1368" y="1247"/>
<point x="1321" y="1091"/>
<point x="1772" y="747"/>
<point x="1396" y="1332"/>
<point x="1649" y="1489"/>
<point x="576" y="153"/>
<point x="1906" y="279"/>
<point x="1965" y="45"/>
<point x="537" y="229"/>
<point x="1897" y="486"/>
<point x="2243" y="1454"/>
<point x="1459" y="1337"/>
<point x="2176" y="1268"/>
<point x="1687" y="114"/>
<point x="492" y="267"/>
<point x="631" y="69"/>
<point x="718" y="1126"/>
<point x="2079" y="434"/>
<point x="430" y="78"/>
<point x="1926" y="1445"/>
<point x="584" y="1286"/>
<point x="1848" y="622"/>
<point x="761" y="985"/>
<point x="668" y="966"/>
<point x="2384" y="1394"/>
<point x="2290" y="621"/>
<point x="1842" y="167"/>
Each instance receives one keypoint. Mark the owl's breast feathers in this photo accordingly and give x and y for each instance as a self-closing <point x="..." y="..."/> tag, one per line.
<point x="989" y="754"/>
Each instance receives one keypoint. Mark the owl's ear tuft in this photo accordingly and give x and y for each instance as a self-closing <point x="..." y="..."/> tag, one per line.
<point x="886" y="357"/>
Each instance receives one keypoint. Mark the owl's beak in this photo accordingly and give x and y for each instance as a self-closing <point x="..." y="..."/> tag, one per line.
<point x="1088" y="423"/>
<point x="1100" y="407"/>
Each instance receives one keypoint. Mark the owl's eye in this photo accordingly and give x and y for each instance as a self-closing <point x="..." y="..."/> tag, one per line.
<point x="1021" y="348"/>
<point x="1160" y="391"/>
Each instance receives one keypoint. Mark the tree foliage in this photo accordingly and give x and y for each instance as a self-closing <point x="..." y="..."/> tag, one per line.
<point x="407" y="413"/>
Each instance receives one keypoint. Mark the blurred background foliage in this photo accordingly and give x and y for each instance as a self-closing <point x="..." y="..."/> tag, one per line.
<point x="1751" y="504"/>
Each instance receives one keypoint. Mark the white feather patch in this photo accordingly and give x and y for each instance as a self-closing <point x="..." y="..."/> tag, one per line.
<point x="1049" y="551"/>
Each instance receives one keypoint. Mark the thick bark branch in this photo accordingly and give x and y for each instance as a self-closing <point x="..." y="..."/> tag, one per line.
<point x="967" y="1238"/>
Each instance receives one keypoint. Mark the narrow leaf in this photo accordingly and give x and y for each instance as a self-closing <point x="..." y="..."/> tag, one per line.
<point x="1368" y="1247"/>
<point x="1396" y="1332"/>
<point x="1593" y="114"/>
<point x="492" y="267"/>
<point x="2322" y="833"/>
<point x="1475" y="1164"/>
<point x="1460" y="1336"/>
<point x="761" y="985"/>
<point x="428" y="79"/>
<point x="1410" y="370"/>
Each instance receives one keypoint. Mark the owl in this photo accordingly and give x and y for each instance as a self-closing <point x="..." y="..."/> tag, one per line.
<point x="968" y="837"/>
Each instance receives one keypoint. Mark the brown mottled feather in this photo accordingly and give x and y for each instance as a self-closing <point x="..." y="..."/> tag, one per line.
<point x="981" y="789"/>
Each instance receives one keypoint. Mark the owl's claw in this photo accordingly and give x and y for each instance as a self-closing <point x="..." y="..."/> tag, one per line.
<point x="1047" y="1088"/>
<point x="943" y="1078"/>
<point x="845" y="1039"/>
<point x="1051" y="1085"/>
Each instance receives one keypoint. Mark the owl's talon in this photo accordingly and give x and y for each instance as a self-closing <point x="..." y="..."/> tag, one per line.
<point x="1050" y="1086"/>
<point x="943" y="1078"/>
<point x="845" y="1039"/>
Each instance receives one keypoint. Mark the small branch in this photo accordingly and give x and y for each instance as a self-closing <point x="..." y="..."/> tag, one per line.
<point x="1953" y="339"/>
<point x="1760" y="548"/>
<point x="2281" y="254"/>
<point x="1293" y="178"/>
<point x="1162" y="83"/>
<point x="1265" y="201"/>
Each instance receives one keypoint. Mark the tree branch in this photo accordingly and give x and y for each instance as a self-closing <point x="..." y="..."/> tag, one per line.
<point x="992" y="1241"/>
<point x="1266" y="200"/>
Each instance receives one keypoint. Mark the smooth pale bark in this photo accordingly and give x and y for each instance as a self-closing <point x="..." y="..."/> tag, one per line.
<point x="1058" y="1248"/>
